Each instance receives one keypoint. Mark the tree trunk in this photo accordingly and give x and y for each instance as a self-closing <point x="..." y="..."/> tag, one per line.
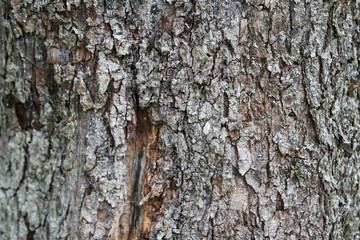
<point x="179" y="119"/>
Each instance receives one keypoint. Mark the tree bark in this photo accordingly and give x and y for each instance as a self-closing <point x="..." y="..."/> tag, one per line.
<point x="179" y="119"/>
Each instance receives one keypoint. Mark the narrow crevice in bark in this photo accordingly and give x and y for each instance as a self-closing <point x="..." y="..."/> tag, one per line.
<point x="31" y="233"/>
<point x="78" y="174"/>
<point x="226" y="105"/>
<point x="21" y="115"/>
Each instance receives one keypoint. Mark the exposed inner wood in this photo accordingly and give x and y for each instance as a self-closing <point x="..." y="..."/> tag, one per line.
<point x="144" y="148"/>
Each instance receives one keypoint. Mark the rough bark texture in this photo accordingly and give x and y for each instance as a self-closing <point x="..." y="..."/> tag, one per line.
<point x="182" y="119"/>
